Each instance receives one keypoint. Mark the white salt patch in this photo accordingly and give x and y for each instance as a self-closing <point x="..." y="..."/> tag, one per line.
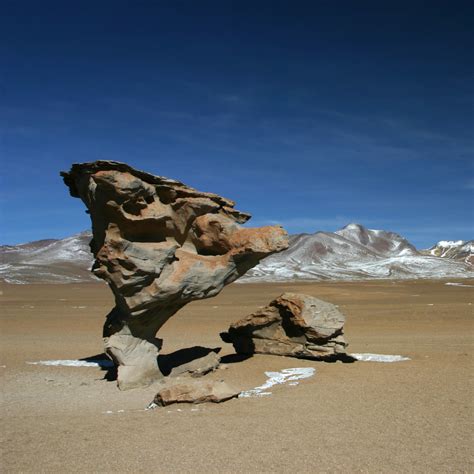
<point x="78" y="307"/>
<point x="459" y="284"/>
<point x="278" y="378"/>
<point x="379" y="357"/>
<point x="75" y="363"/>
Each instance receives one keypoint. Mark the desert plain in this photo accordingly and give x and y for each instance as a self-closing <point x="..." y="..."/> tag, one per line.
<point x="410" y="416"/>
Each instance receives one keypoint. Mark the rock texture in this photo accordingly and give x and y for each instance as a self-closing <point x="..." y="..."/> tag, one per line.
<point x="201" y="391"/>
<point x="198" y="367"/>
<point x="293" y="325"/>
<point x="160" y="244"/>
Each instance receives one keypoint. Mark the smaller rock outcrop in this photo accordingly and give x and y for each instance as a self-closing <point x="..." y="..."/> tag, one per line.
<point x="292" y="325"/>
<point x="201" y="391"/>
<point x="198" y="367"/>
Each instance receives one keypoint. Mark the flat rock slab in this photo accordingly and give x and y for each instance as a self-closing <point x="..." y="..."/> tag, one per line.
<point x="200" y="391"/>
<point x="294" y="325"/>
<point x="198" y="367"/>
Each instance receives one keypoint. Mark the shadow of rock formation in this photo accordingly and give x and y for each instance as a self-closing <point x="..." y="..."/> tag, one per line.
<point x="169" y="362"/>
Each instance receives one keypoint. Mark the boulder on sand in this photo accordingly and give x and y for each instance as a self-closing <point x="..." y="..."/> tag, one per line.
<point x="160" y="244"/>
<point x="292" y="325"/>
<point x="201" y="391"/>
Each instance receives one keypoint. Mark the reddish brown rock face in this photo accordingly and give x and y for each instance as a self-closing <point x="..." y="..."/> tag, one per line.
<point x="292" y="325"/>
<point x="160" y="244"/>
<point x="201" y="391"/>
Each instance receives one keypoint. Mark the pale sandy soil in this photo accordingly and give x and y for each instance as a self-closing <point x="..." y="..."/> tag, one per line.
<point x="413" y="416"/>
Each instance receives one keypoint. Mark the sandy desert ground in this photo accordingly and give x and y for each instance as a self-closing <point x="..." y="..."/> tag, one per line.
<point x="411" y="416"/>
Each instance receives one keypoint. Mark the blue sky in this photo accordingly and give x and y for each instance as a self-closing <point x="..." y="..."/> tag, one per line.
<point x="309" y="114"/>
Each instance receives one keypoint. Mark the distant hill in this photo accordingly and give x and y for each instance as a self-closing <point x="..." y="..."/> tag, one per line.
<point x="461" y="250"/>
<point x="351" y="253"/>
<point x="48" y="261"/>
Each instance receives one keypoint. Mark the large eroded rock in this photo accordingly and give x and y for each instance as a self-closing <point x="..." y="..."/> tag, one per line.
<point x="160" y="244"/>
<point x="293" y="325"/>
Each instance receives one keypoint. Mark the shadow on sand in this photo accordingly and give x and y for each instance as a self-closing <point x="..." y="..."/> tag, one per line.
<point x="104" y="363"/>
<point x="167" y="362"/>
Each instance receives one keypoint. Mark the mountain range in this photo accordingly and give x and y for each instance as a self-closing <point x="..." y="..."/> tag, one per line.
<point x="357" y="253"/>
<point x="351" y="253"/>
<point x="48" y="261"/>
<point x="457" y="250"/>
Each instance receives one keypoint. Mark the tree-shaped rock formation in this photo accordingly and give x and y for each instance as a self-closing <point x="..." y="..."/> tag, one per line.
<point x="160" y="244"/>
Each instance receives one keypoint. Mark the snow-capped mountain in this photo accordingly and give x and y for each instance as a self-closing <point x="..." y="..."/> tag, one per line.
<point x="378" y="241"/>
<point x="48" y="261"/>
<point x="351" y="253"/>
<point x="462" y="250"/>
